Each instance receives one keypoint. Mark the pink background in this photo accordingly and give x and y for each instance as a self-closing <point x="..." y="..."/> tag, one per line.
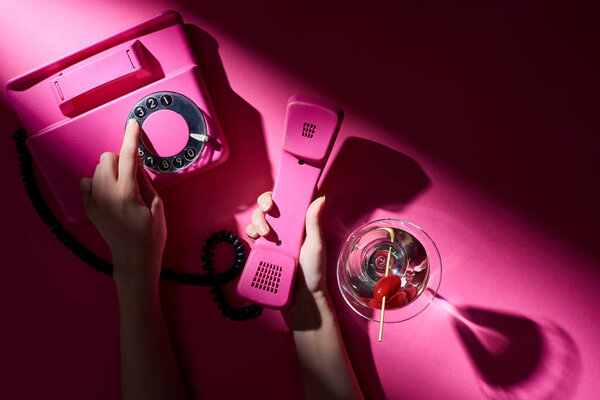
<point x="477" y="122"/>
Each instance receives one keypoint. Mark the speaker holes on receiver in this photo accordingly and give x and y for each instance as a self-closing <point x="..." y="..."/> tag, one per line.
<point x="267" y="277"/>
<point x="308" y="130"/>
<point x="301" y="161"/>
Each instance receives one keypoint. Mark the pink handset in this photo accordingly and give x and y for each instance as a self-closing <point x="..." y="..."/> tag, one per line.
<point x="310" y="130"/>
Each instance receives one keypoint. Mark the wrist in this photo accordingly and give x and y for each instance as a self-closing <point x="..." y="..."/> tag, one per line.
<point x="321" y="298"/>
<point x="135" y="299"/>
<point x="135" y="287"/>
<point x="137" y="257"/>
<point x="136" y="276"/>
<point x="308" y="310"/>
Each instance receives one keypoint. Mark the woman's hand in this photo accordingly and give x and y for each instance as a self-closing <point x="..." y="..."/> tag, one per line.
<point x="310" y="289"/>
<point x="122" y="203"/>
<point x="312" y="253"/>
<point x="326" y="370"/>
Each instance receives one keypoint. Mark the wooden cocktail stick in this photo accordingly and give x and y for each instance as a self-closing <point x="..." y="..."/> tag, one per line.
<point x="387" y="271"/>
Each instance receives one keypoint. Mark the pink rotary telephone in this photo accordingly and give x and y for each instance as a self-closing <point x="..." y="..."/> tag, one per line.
<point x="310" y="130"/>
<point x="75" y="108"/>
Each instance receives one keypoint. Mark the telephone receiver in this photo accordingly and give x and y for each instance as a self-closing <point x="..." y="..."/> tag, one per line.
<point x="311" y="127"/>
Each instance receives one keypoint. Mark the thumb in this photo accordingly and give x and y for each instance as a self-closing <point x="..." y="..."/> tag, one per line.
<point x="313" y="221"/>
<point x="85" y="187"/>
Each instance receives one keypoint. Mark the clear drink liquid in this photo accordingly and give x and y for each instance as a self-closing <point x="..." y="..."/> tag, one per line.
<point x="368" y="263"/>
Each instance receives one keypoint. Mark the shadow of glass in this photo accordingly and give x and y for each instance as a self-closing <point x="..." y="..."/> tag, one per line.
<point x="516" y="357"/>
<point x="505" y="348"/>
<point x="364" y="176"/>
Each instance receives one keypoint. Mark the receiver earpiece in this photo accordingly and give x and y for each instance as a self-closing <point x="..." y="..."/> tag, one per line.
<point x="310" y="127"/>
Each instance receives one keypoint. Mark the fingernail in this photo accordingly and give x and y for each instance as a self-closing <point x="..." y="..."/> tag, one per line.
<point x="264" y="204"/>
<point x="263" y="229"/>
<point x="131" y="121"/>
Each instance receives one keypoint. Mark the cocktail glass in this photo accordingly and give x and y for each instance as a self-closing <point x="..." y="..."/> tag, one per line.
<point x="364" y="259"/>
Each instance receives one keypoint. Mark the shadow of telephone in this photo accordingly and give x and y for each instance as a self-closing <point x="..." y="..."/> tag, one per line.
<point x="75" y="108"/>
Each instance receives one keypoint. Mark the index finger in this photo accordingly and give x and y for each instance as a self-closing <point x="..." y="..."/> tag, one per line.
<point x="128" y="155"/>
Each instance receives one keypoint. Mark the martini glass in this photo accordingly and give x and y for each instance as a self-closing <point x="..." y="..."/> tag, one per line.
<point x="363" y="261"/>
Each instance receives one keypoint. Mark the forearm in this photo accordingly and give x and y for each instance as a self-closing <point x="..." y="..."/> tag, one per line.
<point x="149" y="369"/>
<point x="326" y="370"/>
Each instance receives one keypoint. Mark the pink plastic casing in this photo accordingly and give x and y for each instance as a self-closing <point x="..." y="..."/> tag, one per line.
<point x="75" y="108"/>
<point x="310" y="130"/>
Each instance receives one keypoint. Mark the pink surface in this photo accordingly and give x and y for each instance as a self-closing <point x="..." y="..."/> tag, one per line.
<point x="163" y="121"/>
<point x="477" y="122"/>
